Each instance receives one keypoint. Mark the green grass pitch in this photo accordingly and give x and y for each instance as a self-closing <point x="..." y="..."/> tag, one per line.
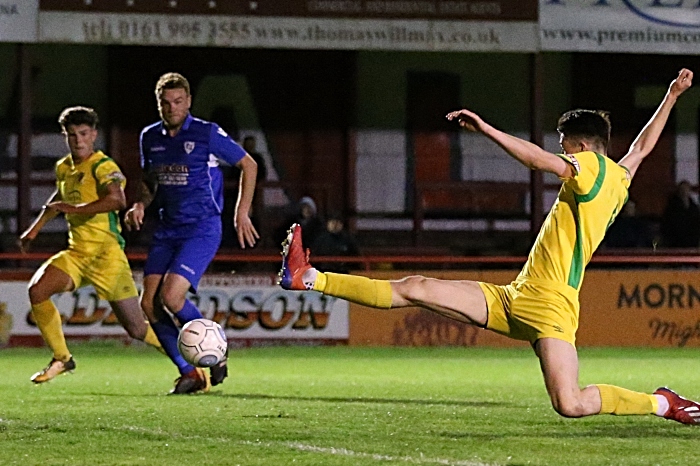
<point x="335" y="406"/>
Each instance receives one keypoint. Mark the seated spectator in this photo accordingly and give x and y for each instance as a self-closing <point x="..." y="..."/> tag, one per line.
<point x="680" y="225"/>
<point x="335" y="241"/>
<point x="306" y="215"/>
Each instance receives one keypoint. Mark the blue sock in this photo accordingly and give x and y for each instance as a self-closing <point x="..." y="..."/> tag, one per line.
<point x="188" y="312"/>
<point x="167" y="333"/>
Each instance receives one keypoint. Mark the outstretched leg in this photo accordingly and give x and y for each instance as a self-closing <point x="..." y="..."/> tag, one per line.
<point x="461" y="300"/>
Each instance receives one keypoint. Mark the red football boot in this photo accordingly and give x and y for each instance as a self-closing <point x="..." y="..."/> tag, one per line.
<point x="295" y="261"/>
<point x="680" y="409"/>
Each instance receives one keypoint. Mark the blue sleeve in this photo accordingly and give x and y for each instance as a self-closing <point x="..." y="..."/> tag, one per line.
<point x="141" y="154"/>
<point x="223" y="147"/>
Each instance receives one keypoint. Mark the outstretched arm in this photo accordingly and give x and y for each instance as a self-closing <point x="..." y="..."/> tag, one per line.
<point x="647" y="138"/>
<point x="525" y="152"/>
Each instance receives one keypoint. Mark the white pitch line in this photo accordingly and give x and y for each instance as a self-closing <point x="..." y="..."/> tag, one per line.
<point x="374" y="456"/>
<point x="324" y="450"/>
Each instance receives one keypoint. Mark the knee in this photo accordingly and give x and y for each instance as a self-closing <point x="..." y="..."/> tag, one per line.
<point x="171" y="299"/>
<point x="147" y="307"/>
<point x="567" y="406"/>
<point x="37" y="294"/>
<point x="136" y="330"/>
<point x="412" y="288"/>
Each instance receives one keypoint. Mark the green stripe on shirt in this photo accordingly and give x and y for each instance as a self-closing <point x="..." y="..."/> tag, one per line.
<point x="577" y="266"/>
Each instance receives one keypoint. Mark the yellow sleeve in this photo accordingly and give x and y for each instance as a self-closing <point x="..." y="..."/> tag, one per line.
<point x="107" y="171"/>
<point x="60" y="171"/>
<point x="586" y="167"/>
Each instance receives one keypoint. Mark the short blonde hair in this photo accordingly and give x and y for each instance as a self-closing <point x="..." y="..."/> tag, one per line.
<point x="172" y="81"/>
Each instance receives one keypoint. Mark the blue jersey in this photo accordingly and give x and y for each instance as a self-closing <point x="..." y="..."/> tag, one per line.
<point x="186" y="166"/>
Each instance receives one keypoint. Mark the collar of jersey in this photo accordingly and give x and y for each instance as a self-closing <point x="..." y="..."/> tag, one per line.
<point x="92" y="156"/>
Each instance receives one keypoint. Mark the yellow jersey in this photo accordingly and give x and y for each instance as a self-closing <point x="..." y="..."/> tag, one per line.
<point x="84" y="183"/>
<point x="586" y="206"/>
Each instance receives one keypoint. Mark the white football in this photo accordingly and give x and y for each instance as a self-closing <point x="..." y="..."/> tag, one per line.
<point x="202" y="343"/>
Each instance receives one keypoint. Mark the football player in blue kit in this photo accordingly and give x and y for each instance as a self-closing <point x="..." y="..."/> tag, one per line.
<point x="180" y="158"/>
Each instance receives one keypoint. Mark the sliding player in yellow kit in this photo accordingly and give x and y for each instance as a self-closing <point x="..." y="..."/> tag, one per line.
<point x="90" y="192"/>
<point x="541" y="306"/>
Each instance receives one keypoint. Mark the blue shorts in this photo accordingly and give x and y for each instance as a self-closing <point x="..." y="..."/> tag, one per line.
<point x="185" y="250"/>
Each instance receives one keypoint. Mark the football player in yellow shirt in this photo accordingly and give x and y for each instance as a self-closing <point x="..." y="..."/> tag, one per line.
<point x="541" y="306"/>
<point x="90" y="192"/>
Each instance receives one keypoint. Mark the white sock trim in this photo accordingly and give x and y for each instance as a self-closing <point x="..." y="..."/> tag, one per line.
<point x="309" y="278"/>
<point x="663" y="405"/>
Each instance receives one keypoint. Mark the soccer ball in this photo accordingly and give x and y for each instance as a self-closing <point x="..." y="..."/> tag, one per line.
<point x="202" y="343"/>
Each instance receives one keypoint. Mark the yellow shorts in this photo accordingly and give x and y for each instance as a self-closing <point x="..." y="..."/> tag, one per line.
<point x="108" y="272"/>
<point x="532" y="309"/>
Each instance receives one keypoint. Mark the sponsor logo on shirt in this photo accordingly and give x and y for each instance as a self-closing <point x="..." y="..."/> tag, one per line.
<point x="172" y="175"/>
<point x="189" y="146"/>
<point x="157" y="149"/>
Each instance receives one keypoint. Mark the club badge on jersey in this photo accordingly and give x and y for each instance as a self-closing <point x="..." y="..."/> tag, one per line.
<point x="189" y="147"/>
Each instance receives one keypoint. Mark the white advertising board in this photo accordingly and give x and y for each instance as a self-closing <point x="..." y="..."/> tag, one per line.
<point x="288" y="32"/>
<point x="628" y="26"/>
<point x="19" y="20"/>
<point x="248" y="307"/>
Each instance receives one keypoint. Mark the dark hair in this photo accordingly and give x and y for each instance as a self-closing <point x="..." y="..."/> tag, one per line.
<point x="592" y="125"/>
<point x="172" y="81"/>
<point x="78" y="116"/>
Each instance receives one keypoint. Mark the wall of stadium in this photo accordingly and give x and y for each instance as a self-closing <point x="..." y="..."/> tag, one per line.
<point x="653" y="308"/>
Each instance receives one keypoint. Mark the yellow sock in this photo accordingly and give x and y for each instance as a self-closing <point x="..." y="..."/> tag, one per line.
<point x="360" y="290"/>
<point x="620" y="401"/>
<point x="152" y="339"/>
<point x="49" y="322"/>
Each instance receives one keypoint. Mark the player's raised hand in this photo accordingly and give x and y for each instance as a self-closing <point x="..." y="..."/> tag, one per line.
<point x="467" y="119"/>
<point x="133" y="219"/>
<point x="247" y="234"/>
<point x="682" y="82"/>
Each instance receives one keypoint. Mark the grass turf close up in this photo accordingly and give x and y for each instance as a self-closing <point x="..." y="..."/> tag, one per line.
<point x="335" y="406"/>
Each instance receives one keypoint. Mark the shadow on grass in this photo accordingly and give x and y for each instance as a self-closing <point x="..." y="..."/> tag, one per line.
<point x="259" y="396"/>
<point x="656" y="429"/>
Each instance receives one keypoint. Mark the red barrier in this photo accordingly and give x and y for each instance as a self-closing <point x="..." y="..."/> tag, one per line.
<point x="366" y="262"/>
